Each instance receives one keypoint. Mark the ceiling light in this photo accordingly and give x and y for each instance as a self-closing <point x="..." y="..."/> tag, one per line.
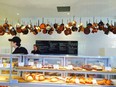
<point x="17" y="13"/>
<point x="68" y="13"/>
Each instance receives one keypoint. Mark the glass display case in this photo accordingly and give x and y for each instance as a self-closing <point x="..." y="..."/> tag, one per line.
<point x="58" y="71"/>
<point x="7" y="63"/>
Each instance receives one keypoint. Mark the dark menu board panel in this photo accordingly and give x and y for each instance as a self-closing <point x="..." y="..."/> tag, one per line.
<point x="58" y="47"/>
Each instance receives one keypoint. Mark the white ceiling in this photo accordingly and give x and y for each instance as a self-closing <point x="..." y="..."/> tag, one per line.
<point x="47" y="8"/>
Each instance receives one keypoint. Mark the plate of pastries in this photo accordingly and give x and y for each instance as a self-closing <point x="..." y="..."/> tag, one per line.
<point x="89" y="80"/>
<point x="33" y="76"/>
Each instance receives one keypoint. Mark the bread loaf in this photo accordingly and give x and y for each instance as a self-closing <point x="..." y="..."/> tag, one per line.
<point x="53" y="79"/>
<point x="40" y="77"/>
<point x="29" y="78"/>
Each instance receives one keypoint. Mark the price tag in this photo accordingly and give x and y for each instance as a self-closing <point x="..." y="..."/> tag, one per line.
<point x="94" y="81"/>
<point x="101" y="63"/>
<point x="77" y="81"/>
<point x="58" y="62"/>
<point x="31" y="63"/>
<point x="108" y="68"/>
<point x="20" y="64"/>
<point x="70" y="67"/>
<point x="56" y="66"/>
<point x="8" y="66"/>
<point x="39" y="65"/>
<point x="1" y="65"/>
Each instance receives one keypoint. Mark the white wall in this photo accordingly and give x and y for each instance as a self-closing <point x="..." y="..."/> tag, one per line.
<point x="88" y="45"/>
<point x="97" y="44"/>
<point x="5" y="44"/>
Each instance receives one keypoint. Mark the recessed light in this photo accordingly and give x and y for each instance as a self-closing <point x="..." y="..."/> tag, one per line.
<point x="68" y="13"/>
<point x="17" y="13"/>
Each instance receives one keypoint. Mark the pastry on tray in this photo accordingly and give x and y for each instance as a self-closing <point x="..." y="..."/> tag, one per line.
<point x="54" y="79"/>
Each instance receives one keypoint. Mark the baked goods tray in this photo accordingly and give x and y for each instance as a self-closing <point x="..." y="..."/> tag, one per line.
<point x="60" y="83"/>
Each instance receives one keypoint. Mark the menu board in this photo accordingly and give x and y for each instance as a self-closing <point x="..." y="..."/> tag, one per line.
<point x="58" y="47"/>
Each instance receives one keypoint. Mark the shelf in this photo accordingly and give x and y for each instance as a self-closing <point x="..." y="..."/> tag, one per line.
<point x="4" y="68"/>
<point x="68" y="71"/>
<point x="40" y="70"/>
<point x="4" y="83"/>
<point x="56" y="85"/>
<point x="23" y="83"/>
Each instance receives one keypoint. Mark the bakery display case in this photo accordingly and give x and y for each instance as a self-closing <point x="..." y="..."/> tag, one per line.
<point x="66" y="71"/>
<point x="7" y="63"/>
<point x="61" y="71"/>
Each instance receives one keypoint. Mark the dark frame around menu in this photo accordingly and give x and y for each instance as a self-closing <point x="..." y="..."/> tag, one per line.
<point x="53" y="47"/>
